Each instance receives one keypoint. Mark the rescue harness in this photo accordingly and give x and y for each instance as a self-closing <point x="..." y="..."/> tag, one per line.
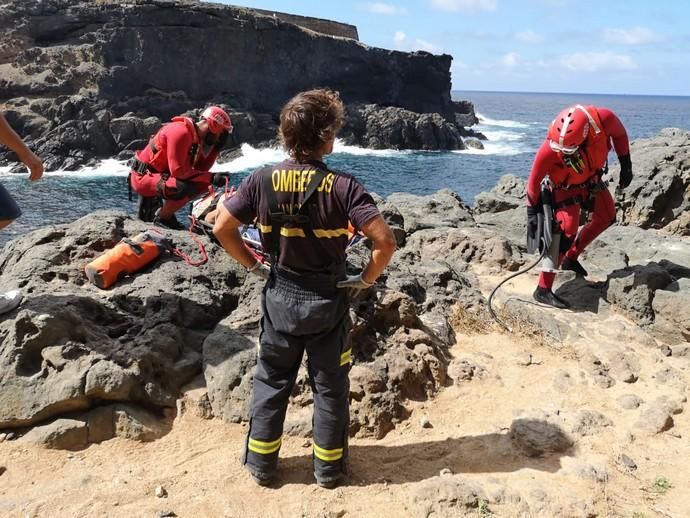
<point x="278" y="218"/>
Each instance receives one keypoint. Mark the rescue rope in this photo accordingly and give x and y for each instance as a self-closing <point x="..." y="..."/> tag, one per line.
<point x="510" y="277"/>
<point x="187" y="259"/>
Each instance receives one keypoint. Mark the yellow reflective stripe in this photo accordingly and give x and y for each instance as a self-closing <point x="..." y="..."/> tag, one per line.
<point x="328" y="455"/>
<point x="298" y="232"/>
<point x="292" y="232"/>
<point x="336" y="232"/>
<point x="346" y="357"/>
<point x="264" y="448"/>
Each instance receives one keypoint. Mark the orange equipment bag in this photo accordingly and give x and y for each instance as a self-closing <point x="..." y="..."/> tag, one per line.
<point x="127" y="257"/>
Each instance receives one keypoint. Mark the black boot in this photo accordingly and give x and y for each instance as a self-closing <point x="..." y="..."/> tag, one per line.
<point x="261" y="478"/>
<point x="147" y="207"/>
<point x="546" y="296"/>
<point x="574" y="266"/>
<point x="172" y="223"/>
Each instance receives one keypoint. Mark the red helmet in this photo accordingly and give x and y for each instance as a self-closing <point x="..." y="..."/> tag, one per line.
<point x="569" y="129"/>
<point x="218" y="120"/>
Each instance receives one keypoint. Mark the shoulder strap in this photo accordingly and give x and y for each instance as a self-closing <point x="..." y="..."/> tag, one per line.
<point x="314" y="183"/>
<point x="277" y="217"/>
<point x="272" y="239"/>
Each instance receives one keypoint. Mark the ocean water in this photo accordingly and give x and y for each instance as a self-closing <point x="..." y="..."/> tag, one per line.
<point x="514" y="123"/>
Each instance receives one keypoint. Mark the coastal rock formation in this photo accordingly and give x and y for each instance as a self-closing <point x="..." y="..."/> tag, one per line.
<point x="72" y="70"/>
<point x="102" y="358"/>
<point x="71" y="347"/>
<point x="80" y="365"/>
<point x="659" y="196"/>
<point x="72" y="350"/>
<point x="375" y="127"/>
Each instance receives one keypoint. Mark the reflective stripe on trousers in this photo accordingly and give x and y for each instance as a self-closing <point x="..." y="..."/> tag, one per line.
<point x="264" y="447"/>
<point x="295" y="320"/>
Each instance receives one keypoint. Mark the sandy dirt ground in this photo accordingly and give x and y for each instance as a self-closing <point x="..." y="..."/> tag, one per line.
<point x="198" y="462"/>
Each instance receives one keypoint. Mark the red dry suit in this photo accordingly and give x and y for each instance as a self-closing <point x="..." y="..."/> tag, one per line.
<point x="571" y="186"/>
<point x="178" y="169"/>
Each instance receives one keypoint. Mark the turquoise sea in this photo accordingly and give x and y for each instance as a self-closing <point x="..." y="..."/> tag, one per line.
<point x="514" y="123"/>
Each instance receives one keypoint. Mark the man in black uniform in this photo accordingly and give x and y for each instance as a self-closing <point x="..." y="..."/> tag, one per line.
<point x="302" y="209"/>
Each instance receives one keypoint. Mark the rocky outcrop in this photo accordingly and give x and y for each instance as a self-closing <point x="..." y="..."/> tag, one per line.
<point x="508" y="193"/>
<point x="659" y="195"/>
<point x="376" y="127"/>
<point x="71" y="71"/>
<point x="105" y="360"/>
<point x="71" y="347"/>
<point x="73" y="351"/>
<point x="645" y="271"/>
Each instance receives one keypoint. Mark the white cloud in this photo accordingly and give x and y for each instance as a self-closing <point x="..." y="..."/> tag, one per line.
<point x="510" y="60"/>
<point x="383" y="8"/>
<point x="596" y="61"/>
<point x="464" y="5"/>
<point x="529" y="36"/>
<point x="632" y="36"/>
<point x="402" y="42"/>
<point x="425" y="45"/>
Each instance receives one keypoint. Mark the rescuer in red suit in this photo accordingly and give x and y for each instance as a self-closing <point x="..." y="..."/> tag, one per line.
<point x="575" y="156"/>
<point x="174" y="166"/>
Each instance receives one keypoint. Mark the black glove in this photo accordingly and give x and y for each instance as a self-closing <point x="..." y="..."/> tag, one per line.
<point x="626" y="171"/>
<point x="220" y="179"/>
<point x="533" y="227"/>
<point x="222" y="139"/>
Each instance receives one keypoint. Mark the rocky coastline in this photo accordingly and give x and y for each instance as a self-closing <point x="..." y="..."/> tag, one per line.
<point x="81" y="349"/>
<point x="92" y="80"/>
<point x="79" y="365"/>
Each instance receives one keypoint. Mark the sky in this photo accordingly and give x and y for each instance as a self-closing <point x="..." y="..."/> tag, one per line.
<point x="583" y="46"/>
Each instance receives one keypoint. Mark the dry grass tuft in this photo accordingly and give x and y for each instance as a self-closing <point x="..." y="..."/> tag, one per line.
<point x="473" y="321"/>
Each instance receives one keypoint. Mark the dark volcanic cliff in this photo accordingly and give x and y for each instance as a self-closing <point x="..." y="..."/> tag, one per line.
<point x="84" y="64"/>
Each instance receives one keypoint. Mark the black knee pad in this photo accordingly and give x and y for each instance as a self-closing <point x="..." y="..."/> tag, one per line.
<point x="181" y="190"/>
<point x="566" y="243"/>
<point x="148" y="205"/>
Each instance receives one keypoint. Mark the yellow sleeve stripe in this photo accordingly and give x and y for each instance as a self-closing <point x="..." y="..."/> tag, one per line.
<point x="328" y="455"/>
<point x="336" y="232"/>
<point x="346" y="357"/>
<point x="298" y="232"/>
<point x="264" y="448"/>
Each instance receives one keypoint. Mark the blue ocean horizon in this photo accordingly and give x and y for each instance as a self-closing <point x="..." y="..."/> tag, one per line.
<point x="456" y="93"/>
<point x="514" y="123"/>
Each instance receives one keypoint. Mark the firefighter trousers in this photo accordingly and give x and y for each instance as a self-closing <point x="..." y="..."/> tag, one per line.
<point x="301" y="316"/>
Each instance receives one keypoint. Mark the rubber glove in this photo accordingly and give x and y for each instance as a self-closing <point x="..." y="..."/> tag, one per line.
<point x="260" y="270"/>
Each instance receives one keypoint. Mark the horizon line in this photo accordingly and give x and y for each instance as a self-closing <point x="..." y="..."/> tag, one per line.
<point x="566" y="93"/>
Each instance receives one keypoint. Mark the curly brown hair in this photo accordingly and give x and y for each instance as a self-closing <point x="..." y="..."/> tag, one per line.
<point x="310" y="119"/>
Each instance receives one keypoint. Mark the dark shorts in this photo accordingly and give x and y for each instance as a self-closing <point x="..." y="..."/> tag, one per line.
<point x="8" y="207"/>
